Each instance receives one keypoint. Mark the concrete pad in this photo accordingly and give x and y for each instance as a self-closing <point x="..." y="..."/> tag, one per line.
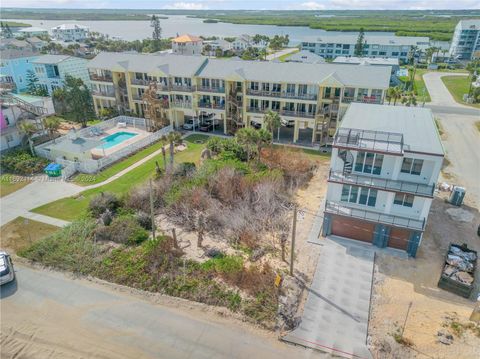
<point x="335" y="317"/>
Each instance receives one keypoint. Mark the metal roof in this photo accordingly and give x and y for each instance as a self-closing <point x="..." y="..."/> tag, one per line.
<point x="294" y="72"/>
<point x="51" y="59"/>
<point x="416" y="124"/>
<point x="170" y="64"/>
<point x="353" y="60"/>
<point x="306" y="57"/>
<point x="473" y="24"/>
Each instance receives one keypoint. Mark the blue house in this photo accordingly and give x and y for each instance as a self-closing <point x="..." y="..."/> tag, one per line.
<point x="14" y="66"/>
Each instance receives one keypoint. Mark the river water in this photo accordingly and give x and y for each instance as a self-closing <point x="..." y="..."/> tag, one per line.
<point x="179" y="24"/>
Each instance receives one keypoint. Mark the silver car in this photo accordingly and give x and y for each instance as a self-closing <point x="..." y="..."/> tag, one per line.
<point x="7" y="274"/>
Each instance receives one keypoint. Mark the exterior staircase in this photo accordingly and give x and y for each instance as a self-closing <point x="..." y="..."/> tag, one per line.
<point x="38" y="111"/>
<point x="347" y="159"/>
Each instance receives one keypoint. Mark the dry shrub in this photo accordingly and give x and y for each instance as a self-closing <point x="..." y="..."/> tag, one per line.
<point x="253" y="280"/>
<point x="103" y="202"/>
<point x="297" y="168"/>
<point x="227" y="185"/>
<point x="139" y="197"/>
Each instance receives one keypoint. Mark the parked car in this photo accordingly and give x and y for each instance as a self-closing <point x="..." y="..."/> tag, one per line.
<point x="205" y="115"/>
<point x="7" y="274"/>
<point x="189" y="125"/>
<point x="207" y="126"/>
<point x="256" y="124"/>
<point x="287" y="123"/>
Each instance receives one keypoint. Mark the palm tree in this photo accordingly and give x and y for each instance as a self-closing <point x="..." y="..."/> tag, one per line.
<point x="172" y="138"/>
<point x="409" y="99"/>
<point x="28" y="129"/>
<point x="51" y="124"/>
<point x="272" y="121"/>
<point x="252" y="140"/>
<point x="397" y="93"/>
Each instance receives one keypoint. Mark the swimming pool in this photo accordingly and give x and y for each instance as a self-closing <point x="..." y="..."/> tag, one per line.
<point x="116" y="138"/>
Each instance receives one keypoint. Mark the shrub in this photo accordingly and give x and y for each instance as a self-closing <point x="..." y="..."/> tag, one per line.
<point x="123" y="229"/>
<point x="103" y="202"/>
<point x="139" y="197"/>
<point x="22" y="162"/>
<point x="71" y="248"/>
<point x="184" y="169"/>
<point x="144" y="220"/>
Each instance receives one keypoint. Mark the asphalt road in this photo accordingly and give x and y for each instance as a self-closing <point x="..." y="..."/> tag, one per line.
<point x="462" y="139"/>
<point x="47" y="315"/>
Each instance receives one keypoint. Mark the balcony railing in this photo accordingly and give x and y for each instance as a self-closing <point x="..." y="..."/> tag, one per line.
<point x="182" y="104"/>
<point x="364" y="99"/>
<point x="141" y="82"/>
<point x="287" y="95"/>
<point x="379" y="141"/>
<point x="211" y="89"/>
<point x="215" y="106"/>
<point x="104" y="78"/>
<point x="257" y="110"/>
<point x="182" y="88"/>
<point x="297" y="114"/>
<point x="382" y="183"/>
<point x="103" y="93"/>
<point x="390" y="219"/>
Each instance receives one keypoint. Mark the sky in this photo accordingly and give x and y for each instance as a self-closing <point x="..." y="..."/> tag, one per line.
<point x="248" y="4"/>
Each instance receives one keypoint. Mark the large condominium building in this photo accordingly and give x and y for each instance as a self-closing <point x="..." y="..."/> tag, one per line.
<point x="14" y="67"/>
<point x="466" y="40"/>
<point x="187" y="45"/>
<point x="309" y="97"/>
<point x="384" y="167"/>
<point x="51" y="70"/>
<point x="398" y="47"/>
<point x="70" y="32"/>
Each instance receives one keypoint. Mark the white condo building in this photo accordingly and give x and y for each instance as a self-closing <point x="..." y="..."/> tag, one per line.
<point x="466" y="40"/>
<point x="70" y="32"/>
<point x="384" y="168"/>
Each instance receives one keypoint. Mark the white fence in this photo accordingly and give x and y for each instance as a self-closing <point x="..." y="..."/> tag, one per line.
<point x="92" y="166"/>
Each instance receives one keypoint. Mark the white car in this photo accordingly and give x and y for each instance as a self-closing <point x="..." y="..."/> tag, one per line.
<point x="189" y="124"/>
<point x="287" y="123"/>
<point x="7" y="274"/>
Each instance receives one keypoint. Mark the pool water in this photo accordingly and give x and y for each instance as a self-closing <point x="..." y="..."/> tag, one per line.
<point x="116" y="138"/>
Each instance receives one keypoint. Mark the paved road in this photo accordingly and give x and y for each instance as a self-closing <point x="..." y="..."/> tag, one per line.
<point x="462" y="140"/>
<point x="335" y="317"/>
<point x="47" y="315"/>
<point x="281" y="53"/>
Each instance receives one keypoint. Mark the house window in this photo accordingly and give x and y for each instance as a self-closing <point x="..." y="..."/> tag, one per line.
<point x="412" y="166"/>
<point x="368" y="162"/>
<point x="266" y="86"/>
<point x="205" y="82"/>
<point x="276" y="87"/>
<point x="254" y="86"/>
<point x="359" y="195"/>
<point x="275" y="105"/>
<point x="403" y="199"/>
<point x="291" y="88"/>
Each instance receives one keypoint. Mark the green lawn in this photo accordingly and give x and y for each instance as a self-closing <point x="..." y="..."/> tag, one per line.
<point x="286" y="56"/>
<point x="87" y="179"/>
<point x="458" y="86"/>
<point x="75" y="207"/>
<point x="8" y="184"/>
<point x="420" y="88"/>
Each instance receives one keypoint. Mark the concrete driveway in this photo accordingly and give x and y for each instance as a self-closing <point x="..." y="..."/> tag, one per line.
<point x="461" y="139"/>
<point x="47" y="315"/>
<point x="280" y="53"/>
<point x="335" y="316"/>
<point x="41" y="191"/>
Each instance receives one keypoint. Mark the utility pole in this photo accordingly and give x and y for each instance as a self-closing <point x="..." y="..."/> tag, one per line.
<point x="294" y="229"/>
<point x="174" y="236"/>
<point x="151" y="209"/>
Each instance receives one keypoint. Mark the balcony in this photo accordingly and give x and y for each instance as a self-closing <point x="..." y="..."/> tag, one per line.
<point x="102" y="78"/>
<point x="297" y="114"/>
<point x="137" y="97"/>
<point x="278" y="94"/>
<point x="376" y="141"/>
<point x="211" y="89"/>
<point x="104" y="93"/>
<point x="141" y="82"/>
<point x="182" y="88"/>
<point x="382" y="184"/>
<point x="214" y="106"/>
<point x="182" y="104"/>
<point x="363" y="99"/>
<point x="257" y="110"/>
<point x="343" y="209"/>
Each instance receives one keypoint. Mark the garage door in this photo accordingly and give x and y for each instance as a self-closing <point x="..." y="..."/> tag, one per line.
<point x="398" y="238"/>
<point x="353" y="228"/>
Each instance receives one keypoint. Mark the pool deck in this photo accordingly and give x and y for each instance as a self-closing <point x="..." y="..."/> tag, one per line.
<point x="141" y="134"/>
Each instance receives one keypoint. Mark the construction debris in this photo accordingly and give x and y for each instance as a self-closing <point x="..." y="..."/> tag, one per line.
<point x="445" y="337"/>
<point x="458" y="272"/>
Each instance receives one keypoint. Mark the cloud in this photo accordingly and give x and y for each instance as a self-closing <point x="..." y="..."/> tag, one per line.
<point x="186" y="6"/>
<point x="312" y="5"/>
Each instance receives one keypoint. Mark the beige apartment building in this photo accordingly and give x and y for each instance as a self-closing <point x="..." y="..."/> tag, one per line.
<point x="310" y="98"/>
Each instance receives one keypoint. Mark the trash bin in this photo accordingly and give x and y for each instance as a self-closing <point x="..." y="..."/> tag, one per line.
<point x="53" y="170"/>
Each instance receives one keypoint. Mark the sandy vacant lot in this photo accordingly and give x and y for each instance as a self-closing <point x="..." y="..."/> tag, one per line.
<point x="399" y="282"/>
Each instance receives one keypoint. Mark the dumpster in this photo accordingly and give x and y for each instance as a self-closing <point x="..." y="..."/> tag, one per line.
<point x="53" y="170"/>
<point x="458" y="271"/>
